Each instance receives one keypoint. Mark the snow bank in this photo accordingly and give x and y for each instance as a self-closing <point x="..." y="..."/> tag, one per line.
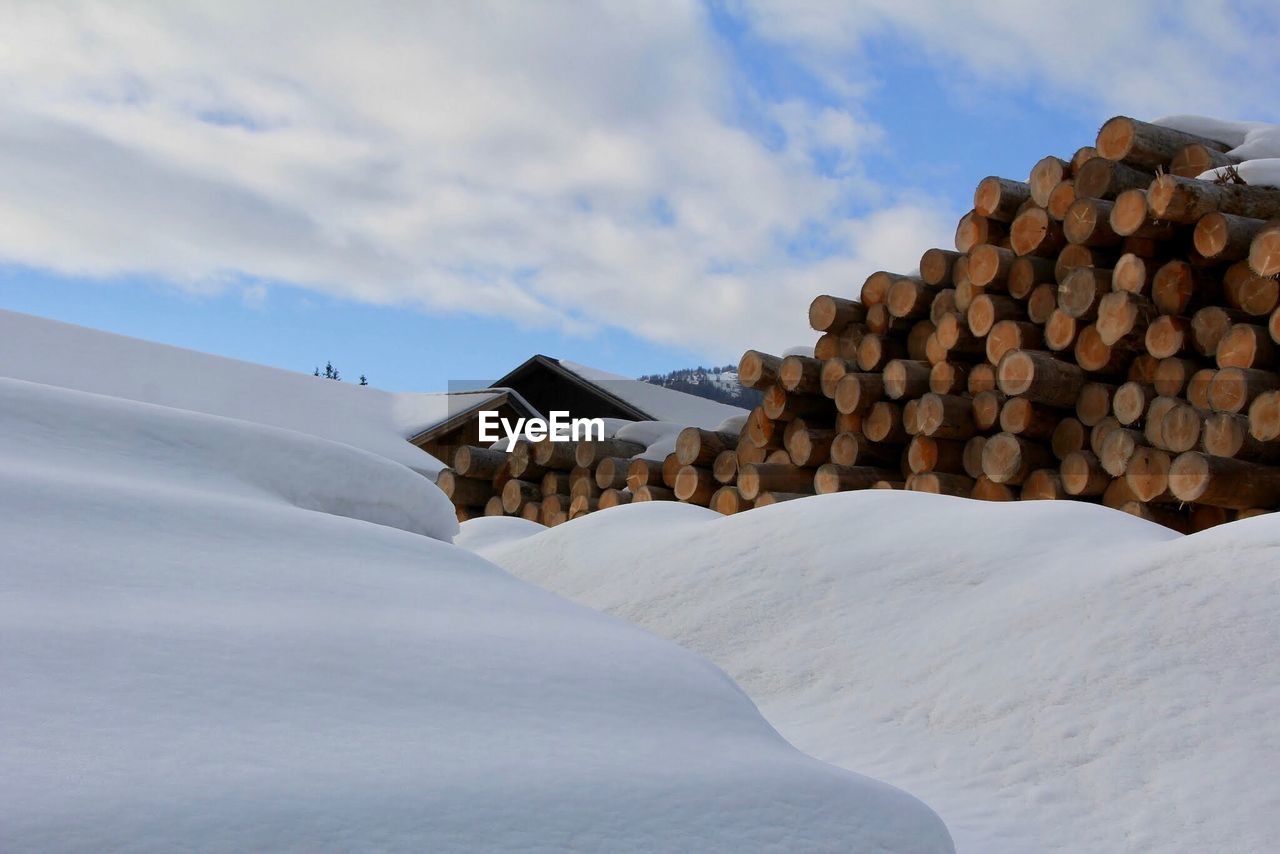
<point x="1049" y="676"/>
<point x="53" y="353"/>
<point x="1257" y="144"/>
<point x="199" y="654"/>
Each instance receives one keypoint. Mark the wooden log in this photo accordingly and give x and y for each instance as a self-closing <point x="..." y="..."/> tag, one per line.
<point x="1012" y="335"/>
<point x="1083" y="475"/>
<point x="1118" y="448"/>
<point x="652" y="493"/>
<point x="779" y="457"/>
<point x="1081" y="290"/>
<point x="828" y="313"/>
<point x="1094" y="402"/>
<point x="1101" y="178"/>
<point x="807" y="445"/>
<point x="1177" y="286"/>
<point x="1042" y="485"/>
<point x="1245" y="290"/>
<point x="1060" y="331"/>
<point x="881" y="322"/>
<point x="801" y="374"/>
<point x="589" y="453"/>
<point x="521" y="465"/>
<point x="1224" y="482"/>
<point x="876" y="288"/>
<point x="999" y="198"/>
<point x="464" y="491"/>
<point x="1007" y="458"/>
<point x="973" y="456"/>
<point x="827" y="346"/>
<point x="986" y="409"/>
<point x="614" y="498"/>
<point x="1061" y="199"/>
<point x="1030" y="420"/>
<point x="989" y="309"/>
<point x="758" y="370"/>
<point x="1034" y="233"/>
<point x="944" y="303"/>
<point x="493" y="507"/>
<point x="1148" y="474"/>
<point x="876" y="351"/>
<point x="1186" y="200"/>
<point x="1194" y="159"/>
<point x="1088" y="223"/>
<point x="1264" y="416"/>
<point x="834" y="370"/>
<point x="1245" y="346"/>
<point x="1045" y="176"/>
<point x="1133" y="273"/>
<point x="1146" y="146"/>
<point x="1234" y="389"/>
<point x="779" y="405"/>
<point x="756" y="478"/>
<point x="926" y="453"/>
<point x="694" y="485"/>
<point x="532" y="510"/>
<point x="1229" y="434"/>
<point x="1094" y="355"/>
<point x="549" y="454"/>
<point x="1075" y="255"/>
<point x="1131" y="213"/>
<point x="1131" y="401"/>
<point x="910" y="420"/>
<point x="1068" y="437"/>
<point x="1208" y="326"/>
<point x="1042" y="303"/>
<point x="698" y="447"/>
<point x="906" y="378"/>
<point x="936" y="264"/>
<point x="644" y="473"/>
<point x="517" y="493"/>
<point x="989" y="266"/>
<point x="1122" y="315"/>
<point x="725" y="468"/>
<point x="466" y="514"/>
<point x="469" y="461"/>
<point x="1168" y="336"/>
<point x="848" y="340"/>
<point x="855" y="449"/>
<point x="941" y="483"/>
<point x="945" y="416"/>
<point x="1264" y="251"/>
<point x="611" y="472"/>
<point x="1168" y="517"/>
<point x="949" y="377"/>
<point x="884" y="423"/>
<point x="982" y="377"/>
<point x="1082" y="155"/>
<point x="555" y="483"/>
<point x="973" y="229"/>
<point x="727" y="500"/>
<point x="584" y="486"/>
<point x="1099" y="432"/>
<point x="918" y="341"/>
<point x="1154" y="420"/>
<point x="1180" y="428"/>
<point x="1225" y="237"/>
<point x="1197" y="390"/>
<point x="555" y="510"/>
<point x="857" y="392"/>
<point x="909" y="298"/>
<point x="763" y="431"/>
<point x="1039" y="377"/>
<point x="581" y="505"/>
<point x="984" y="489"/>
<point x="831" y="477"/>
<point x="671" y="466"/>
<point x="1028" y="271"/>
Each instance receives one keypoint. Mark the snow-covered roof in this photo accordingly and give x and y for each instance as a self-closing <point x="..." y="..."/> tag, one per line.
<point x="654" y="401"/>
<point x="61" y="354"/>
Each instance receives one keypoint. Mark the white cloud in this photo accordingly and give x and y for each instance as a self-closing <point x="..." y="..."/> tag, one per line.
<point x="576" y="167"/>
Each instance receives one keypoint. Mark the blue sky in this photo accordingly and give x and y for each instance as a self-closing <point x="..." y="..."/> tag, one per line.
<point x="437" y="196"/>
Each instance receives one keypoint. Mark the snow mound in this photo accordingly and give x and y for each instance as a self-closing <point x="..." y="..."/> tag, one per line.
<point x="1049" y="676"/>
<point x="1257" y="144"/>
<point x="486" y="531"/>
<point x="208" y="646"/>
<point x="61" y="354"/>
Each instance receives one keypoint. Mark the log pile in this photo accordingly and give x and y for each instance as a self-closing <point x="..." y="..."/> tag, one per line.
<point x="1107" y="330"/>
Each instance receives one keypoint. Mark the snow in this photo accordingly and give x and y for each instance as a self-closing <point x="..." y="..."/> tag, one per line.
<point x="1049" y="676"/>
<point x="61" y="354"/>
<point x="658" y="437"/>
<point x="1257" y="144"/>
<point x="665" y="404"/>
<point x="225" y="635"/>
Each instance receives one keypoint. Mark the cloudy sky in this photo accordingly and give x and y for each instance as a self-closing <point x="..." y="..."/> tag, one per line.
<point x="427" y="191"/>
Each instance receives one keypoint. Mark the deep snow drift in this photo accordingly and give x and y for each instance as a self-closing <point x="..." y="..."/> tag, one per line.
<point x="1049" y="676"/>
<point x="224" y="636"/>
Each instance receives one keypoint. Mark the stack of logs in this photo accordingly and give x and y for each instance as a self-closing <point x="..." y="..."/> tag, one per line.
<point x="1107" y="331"/>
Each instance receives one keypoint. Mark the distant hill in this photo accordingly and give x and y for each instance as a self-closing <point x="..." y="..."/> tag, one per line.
<point x="719" y="384"/>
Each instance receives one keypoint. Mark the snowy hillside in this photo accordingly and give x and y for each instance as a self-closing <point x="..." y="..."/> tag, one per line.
<point x="220" y="635"/>
<point x="60" y="354"/>
<point x="1049" y="676"/>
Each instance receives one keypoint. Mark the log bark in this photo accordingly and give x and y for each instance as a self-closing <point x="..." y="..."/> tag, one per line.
<point x="1087" y="222"/>
<point x="1029" y="420"/>
<point x="1039" y="377"/>
<point x="1034" y="233"/>
<point x="926" y="453"/>
<point x="855" y="449"/>
<point x="1146" y="146"/>
<point x="986" y="409"/>
<point x="1224" y="482"/>
<point x="949" y="378"/>
<point x="1029" y="271"/>
<point x="1177" y="286"/>
<point x="758" y="370"/>
<point x="1234" y="389"/>
<point x="611" y="472"/>
<point x="779" y="405"/>
<point x="999" y="198"/>
<point x="987" y="310"/>
<point x="807" y="445"/>
<point x="1042" y="485"/>
<point x="1194" y="159"/>
<point x="876" y="351"/>
<point x="828" y="313"/>
<point x="1245" y="290"/>
<point x="469" y="461"/>
<point x="765" y="477"/>
<point x="941" y="483"/>
<point x="522" y="465"/>
<point x="464" y="491"/>
<point x="831" y="477"/>
<point x="643" y="473"/>
<point x="614" y="498"/>
<point x="857" y="392"/>
<point x="1081" y="290"/>
<point x="652" y="493"/>
<point x="884" y="423"/>
<point x="590" y="453"/>
<point x="1185" y="200"/>
<point x="945" y="416"/>
<point x="1094" y="402"/>
<point x="1012" y="335"/>
<point x="1101" y="178"/>
<point x="1009" y="459"/>
<point x="974" y="228"/>
<point x="767" y="498"/>
<point x="936" y="264"/>
<point x="555" y="483"/>
<point x="1229" y="434"/>
<point x="1083" y="475"/>
<point x="727" y="500"/>
<point x="1224" y="237"/>
<point x="906" y="378"/>
<point x="517" y="493"/>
